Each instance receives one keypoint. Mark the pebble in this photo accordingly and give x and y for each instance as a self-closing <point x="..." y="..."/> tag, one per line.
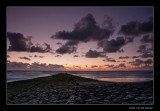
<point x="139" y="99"/>
<point x="86" y="94"/>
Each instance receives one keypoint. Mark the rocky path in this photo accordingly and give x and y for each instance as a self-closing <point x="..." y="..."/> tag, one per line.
<point x="87" y="93"/>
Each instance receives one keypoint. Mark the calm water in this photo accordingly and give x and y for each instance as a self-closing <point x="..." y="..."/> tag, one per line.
<point x="114" y="76"/>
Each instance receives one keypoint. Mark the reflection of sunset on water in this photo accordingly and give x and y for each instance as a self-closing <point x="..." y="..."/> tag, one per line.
<point x="125" y="79"/>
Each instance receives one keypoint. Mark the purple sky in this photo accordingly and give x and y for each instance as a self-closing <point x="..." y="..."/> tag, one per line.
<point x="41" y="23"/>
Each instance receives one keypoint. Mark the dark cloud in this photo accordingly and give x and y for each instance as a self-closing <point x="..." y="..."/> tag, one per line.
<point x="142" y="49"/>
<point x="120" y="50"/>
<point x="114" y="45"/>
<point x="38" y="56"/>
<point x="147" y="39"/>
<point x="41" y="49"/>
<point x="69" y="47"/>
<point x="17" y="65"/>
<point x="35" y="55"/>
<point x="85" y="30"/>
<point x="135" y="57"/>
<point x="93" y="66"/>
<point x="146" y="55"/>
<point x="77" y="66"/>
<point x="41" y="56"/>
<point x="25" y="58"/>
<point x="122" y="65"/>
<point x="109" y="59"/>
<point x="59" y="43"/>
<point x="138" y="62"/>
<point x="56" y="67"/>
<point x="109" y="66"/>
<point x="75" y="56"/>
<point x="44" y="66"/>
<point x="19" y="43"/>
<point x="58" y="56"/>
<point x="33" y="66"/>
<point x="135" y="28"/>
<point x="145" y="52"/>
<point x="125" y="57"/>
<point x="148" y="67"/>
<point x="94" y="54"/>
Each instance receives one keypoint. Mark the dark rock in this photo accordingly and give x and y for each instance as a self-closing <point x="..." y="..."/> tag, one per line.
<point x="139" y="99"/>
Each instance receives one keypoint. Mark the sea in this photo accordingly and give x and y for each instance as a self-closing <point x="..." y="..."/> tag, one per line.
<point x="111" y="76"/>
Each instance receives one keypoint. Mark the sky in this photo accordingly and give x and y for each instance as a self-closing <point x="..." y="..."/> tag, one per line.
<point x="79" y="38"/>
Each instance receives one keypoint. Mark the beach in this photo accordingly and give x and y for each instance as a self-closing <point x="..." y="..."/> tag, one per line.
<point x="71" y="89"/>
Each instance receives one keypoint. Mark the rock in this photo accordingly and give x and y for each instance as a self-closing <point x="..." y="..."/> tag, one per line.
<point x="139" y="99"/>
<point x="144" y="102"/>
<point x="34" y="101"/>
<point x="95" y="102"/>
<point x="128" y="97"/>
<point x="89" y="100"/>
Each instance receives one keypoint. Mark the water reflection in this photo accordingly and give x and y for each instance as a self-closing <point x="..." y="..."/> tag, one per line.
<point x="125" y="79"/>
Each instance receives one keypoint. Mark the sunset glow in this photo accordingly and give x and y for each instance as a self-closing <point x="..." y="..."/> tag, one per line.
<point x="80" y="38"/>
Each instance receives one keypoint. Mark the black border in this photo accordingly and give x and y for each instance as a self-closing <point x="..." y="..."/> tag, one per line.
<point x="5" y="3"/>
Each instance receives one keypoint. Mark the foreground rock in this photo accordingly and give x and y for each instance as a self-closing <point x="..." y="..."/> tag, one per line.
<point x="81" y="91"/>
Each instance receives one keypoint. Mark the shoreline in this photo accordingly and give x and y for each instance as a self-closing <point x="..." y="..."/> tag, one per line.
<point x="69" y="89"/>
<point x="107" y="79"/>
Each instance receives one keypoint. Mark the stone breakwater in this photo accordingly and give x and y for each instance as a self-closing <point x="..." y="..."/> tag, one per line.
<point x="86" y="93"/>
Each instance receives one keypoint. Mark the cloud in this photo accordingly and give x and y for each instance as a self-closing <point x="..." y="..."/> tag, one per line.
<point x="94" y="54"/>
<point x="122" y="65"/>
<point x="38" y="56"/>
<point x="76" y="66"/>
<point x="93" y="66"/>
<point x="109" y="59"/>
<point x="125" y="57"/>
<point x="135" y="28"/>
<point x="75" y="56"/>
<point x="40" y="49"/>
<point x="17" y="66"/>
<point x="145" y="52"/>
<point x="114" y="45"/>
<point x="147" y="39"/>
<point x="41" y="56"/>
<point x="142" y="49"/>
<point x="135" y="57"/>
<point x="58" y="56"/>
<point x="59" y="43"/>
<point x="138" y="62"/>
<point x="69" y="47"/>
<point x="25" y="58"/>
<point x="109" y="66"/>
<point x="146" y="55"/>
<point x="19" y="43"/>
<point x="86" y="30"/>
<point x="35" y="56"/>
<point x="34" y="66"/>
<point x="56" y="67"/>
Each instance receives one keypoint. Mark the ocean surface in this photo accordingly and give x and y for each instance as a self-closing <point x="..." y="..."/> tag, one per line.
<point x="113" y="76"/>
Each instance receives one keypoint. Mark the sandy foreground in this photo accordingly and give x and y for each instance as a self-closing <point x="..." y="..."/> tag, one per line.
<point x="69" y="89"/>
